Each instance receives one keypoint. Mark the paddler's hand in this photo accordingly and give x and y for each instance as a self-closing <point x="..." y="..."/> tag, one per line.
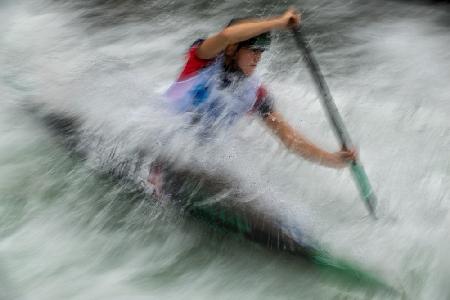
<point x="342" y="158"/>
<point x="290" y="19"/>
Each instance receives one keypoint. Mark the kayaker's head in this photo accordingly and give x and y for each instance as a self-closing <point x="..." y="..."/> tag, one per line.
<point x="245" y="56"/>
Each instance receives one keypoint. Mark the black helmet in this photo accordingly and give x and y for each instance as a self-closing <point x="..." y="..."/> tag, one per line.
<point x="260" y="42"/>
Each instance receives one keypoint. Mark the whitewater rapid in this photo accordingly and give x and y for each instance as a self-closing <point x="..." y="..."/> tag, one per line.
<point x="66" y="233"/>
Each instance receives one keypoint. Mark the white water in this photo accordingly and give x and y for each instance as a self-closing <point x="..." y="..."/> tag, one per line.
<point x="67" y="234"/>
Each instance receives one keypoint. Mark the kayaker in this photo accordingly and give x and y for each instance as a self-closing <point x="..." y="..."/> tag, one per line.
<point x="218" y="85"/>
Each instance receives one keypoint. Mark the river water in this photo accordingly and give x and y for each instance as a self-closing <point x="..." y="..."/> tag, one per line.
<point x="68" y="233"/>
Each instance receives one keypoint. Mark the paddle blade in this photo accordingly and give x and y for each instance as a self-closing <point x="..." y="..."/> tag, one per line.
<point x="364" y="187"/>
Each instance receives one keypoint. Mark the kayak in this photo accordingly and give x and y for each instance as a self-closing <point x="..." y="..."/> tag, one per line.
<point x="217" y="201"/>
<point x="214" y="200"/>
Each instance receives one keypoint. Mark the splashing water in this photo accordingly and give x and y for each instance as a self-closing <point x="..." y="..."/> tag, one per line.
<point x="68" y="233"/>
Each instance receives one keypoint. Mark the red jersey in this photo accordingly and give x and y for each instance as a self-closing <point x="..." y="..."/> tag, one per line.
<point x="263" y="104"/>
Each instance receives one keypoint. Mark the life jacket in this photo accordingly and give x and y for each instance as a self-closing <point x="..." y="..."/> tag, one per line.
<point x="216" y="97"/>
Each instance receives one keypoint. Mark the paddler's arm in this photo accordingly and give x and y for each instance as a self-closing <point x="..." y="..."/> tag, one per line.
<point x="296" y="142"/>
<point x="245" y="30"/>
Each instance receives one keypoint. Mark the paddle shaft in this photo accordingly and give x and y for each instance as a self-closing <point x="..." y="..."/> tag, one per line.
<point x="358" y="172"/>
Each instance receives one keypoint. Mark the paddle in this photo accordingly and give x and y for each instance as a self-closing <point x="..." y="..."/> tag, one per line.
<point x="357" y="170"/>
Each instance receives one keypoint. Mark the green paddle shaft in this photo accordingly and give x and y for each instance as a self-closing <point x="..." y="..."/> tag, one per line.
<point x="357" y="169"/>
